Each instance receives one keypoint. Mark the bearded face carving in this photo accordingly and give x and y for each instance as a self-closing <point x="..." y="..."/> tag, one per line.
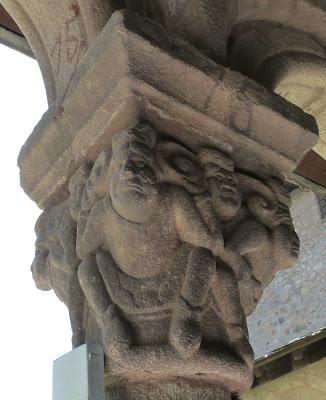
<point x="56" y="263"/>
<point x="133" y="182"/>
<point x="222" y="183"/>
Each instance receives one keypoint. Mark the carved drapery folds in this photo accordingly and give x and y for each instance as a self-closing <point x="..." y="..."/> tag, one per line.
<point x="167" y="250"/>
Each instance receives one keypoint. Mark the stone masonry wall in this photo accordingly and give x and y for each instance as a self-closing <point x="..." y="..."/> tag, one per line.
<point x="294" y="304"/>
<point x="308" y="383"/>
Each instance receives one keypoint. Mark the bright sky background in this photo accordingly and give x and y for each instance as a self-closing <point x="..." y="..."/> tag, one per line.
<point x="34" y="324"/>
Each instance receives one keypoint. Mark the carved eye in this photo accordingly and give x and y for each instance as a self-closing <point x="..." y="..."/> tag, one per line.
<point x="139" y="164"/>
<point x="183" y="164"/>
<point x="219" y="176"/>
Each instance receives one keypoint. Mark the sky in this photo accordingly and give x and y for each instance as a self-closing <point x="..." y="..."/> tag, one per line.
<point x="35" y="327"/>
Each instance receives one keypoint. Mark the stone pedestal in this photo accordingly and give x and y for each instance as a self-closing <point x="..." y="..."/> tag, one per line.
<point x="167" y="389"/>
<point x="161" y="173"/>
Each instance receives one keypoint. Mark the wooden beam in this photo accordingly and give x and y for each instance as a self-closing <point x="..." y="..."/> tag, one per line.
<point x="313" y="167"/>
<point x="11" y="36"/>
<point x="7" y="22"/>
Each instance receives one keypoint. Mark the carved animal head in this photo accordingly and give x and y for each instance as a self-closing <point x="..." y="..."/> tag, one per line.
<point x="259" y="198"/>
<point x="179" y="166"/>
<point x="222" y="181"/>
<point x="133" y="180"/>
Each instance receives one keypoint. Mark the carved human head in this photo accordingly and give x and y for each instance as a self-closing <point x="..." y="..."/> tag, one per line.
<point x="55" y="255"/>
<point x="133" y="181"/>
<point x="285" y="239"/>
<point x="179" y="166"/>
<point x="222" y="181"/>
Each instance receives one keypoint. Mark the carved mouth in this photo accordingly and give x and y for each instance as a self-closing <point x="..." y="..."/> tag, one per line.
<point x="228" y="193"/>
<point x="133" y="186"/>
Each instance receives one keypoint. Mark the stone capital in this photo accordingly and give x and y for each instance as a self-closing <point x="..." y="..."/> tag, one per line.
<point x="156" y="76"/>
<point x="161" y="174"/>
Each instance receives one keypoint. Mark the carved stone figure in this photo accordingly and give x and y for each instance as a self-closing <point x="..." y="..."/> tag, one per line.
<point x="150" y="237"/>
<point x="174" y="249"/>
<point x="56" y="263"/>
<point x="160" y="237"/>
<point x="218" y="201"/>
<point x="265" y="241"/>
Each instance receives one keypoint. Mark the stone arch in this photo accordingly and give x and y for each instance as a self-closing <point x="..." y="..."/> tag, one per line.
<point x="276" y="43"/>
<point x="59" y="33"/>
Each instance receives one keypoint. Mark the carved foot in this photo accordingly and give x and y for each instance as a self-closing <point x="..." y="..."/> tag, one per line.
<point x="242" y="346"/>
<point x="185" y="332"/>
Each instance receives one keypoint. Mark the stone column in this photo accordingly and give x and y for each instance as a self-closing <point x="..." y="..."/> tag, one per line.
<point x="161" y="172"/>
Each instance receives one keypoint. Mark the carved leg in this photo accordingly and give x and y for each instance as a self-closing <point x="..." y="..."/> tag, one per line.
<point x="226" y="294"/>
<point x="115" y="337"/>
<point x="116" y="334"/>
<point x="94" y="289"/>
<point x="185" y="333"/>
<point x="76" y="301"/>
